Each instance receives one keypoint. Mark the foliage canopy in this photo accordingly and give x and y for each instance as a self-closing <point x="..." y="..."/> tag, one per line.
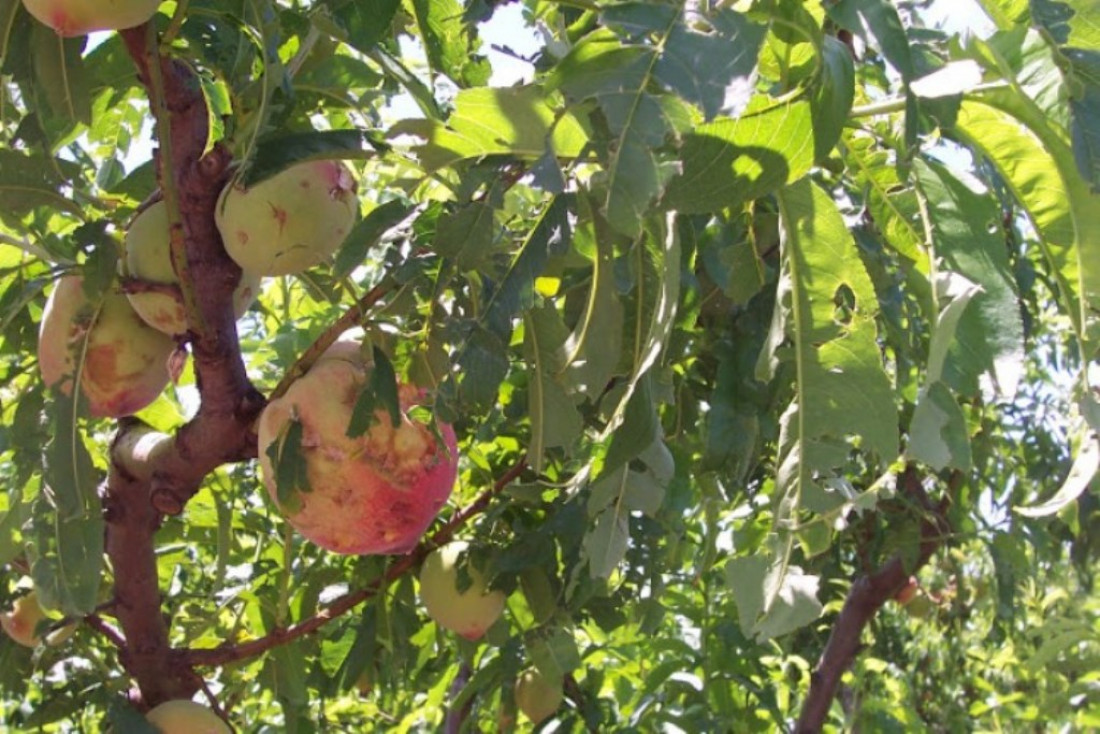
<point x="743" y="314"/>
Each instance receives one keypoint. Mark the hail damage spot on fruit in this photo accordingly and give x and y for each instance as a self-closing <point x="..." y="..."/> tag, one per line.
<point x="374" y="493"/>
<point x="293" y="220"/>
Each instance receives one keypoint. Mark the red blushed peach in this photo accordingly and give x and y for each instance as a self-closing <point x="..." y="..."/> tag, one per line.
<point x="80" y="17"/>
<point x="291" y="221"/>
<point x="373" y="494"/>
<point x="124" y="362"/>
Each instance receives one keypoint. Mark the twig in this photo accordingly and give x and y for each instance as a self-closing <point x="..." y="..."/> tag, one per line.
<point x="865" y="598"/>
<point x="351" y="318"/>
<point x="343" y="604"/>
<point x="97" y="623"/>
<point x="456" y="717"/>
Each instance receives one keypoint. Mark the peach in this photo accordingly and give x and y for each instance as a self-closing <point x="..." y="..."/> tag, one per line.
<point x="291" y="221"/>
<point x="186" y="717"/>
<point x="80" y="17"/>
<point x="123" y="362"/>
<point x="469" y="612"/>
<point x="22" y="621"/>
<point x="537" y="696"/>
<point x="373" y="494"/>
<point x="149" y="258"/>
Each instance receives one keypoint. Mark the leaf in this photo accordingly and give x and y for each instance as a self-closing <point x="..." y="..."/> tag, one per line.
<point x="938" y="432"/>
<point x="554" y="418"/>
<point x="606" y="542"/>
<point x="275" y="153"/>
<point x="289" y="462"/>
<point x="952" y="78"/>
<point x="467" y="234"/>
<point x="826" y="309"/>
<point x="519" y="121"/>
<point x="833" y="95"/>
<point x="69" y="471"/>
<point x="554" y="652"/>
<point x="1081" y="474"/>
<point x="617" y="76"/>
<point x="27" y="182"/>
<point x="795" y="606"/>
<point x="451" y="44"/>
<point x="727" y="162"/>
<point x="359" y="25"/>
<point x="550" y="237"/>
<point x="1034" y="179"/>
<point x="9" y="10"/>
<point x="66" y="557"/>
<point x="366" y="234"/>
<point x="60" y="75"/>
<point x="965" y="223"/>
<point x="877" y="23"/>
<point x="708" y="63"/>
<point x="379" y="393"/>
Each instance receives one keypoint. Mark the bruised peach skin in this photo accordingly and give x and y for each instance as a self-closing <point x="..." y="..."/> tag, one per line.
<point x="374" y="494"/>
<point x="292" y="221"/>
<point x="149" y="259"/>
<point x="125" y="362"/>
<point x="80" y="17"/>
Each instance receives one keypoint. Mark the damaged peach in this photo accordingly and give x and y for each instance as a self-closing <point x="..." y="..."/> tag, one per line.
<point x="372" y="494"/>
<point x="121" y="361"/>
<point x="291" y="221"/>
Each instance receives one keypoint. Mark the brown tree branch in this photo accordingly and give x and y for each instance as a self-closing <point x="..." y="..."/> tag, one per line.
<point x="341" y="605"/>
<point x="97" y="623"/>
<point x="866" y="597"/>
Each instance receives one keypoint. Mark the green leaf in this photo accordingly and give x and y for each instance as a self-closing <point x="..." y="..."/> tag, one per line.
<point x="467" y="234"/>
<point x="519" y="121"/>
<point x="1065" y="213"/>
<point x="9" y="10"/>
<point x="451" y="43"/>
<point x="60" y="75"/>
<point x="550" y="237"/>
<point x="553" y="651"/>
<point x="69" y="471"/>
<point x="379" y="393"/>
<point x="289" y="462"/>
<point x="366" y="234"/>
<point x="606" y="542"/>
<point x="27" y="182"/>
<point x="708" y="63"/>
<point x="968" y="241"/>
<point x="276" y="153"/>
<point x="1084" y="470"/>
<point x="877" y="23"/>
<point x="938" y="432"/>
<point x="66" y="557"/>
<point x="554" y="418"/>
<point x="727" y="162"/>
<point x="833" y="95"/>
<point x="360" y="25"/>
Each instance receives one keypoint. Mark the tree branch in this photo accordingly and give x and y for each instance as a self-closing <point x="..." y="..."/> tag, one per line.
<point x="341" y="605"/>
<point x="866" y="597"/>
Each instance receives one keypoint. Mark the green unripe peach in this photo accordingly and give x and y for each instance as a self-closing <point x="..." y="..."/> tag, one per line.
<point x="149" y="259"/>
<point x="124" y="362"/>
<point x="80" y="17"/>
<point x="186" y="717"/>
<point x="469" y="612"/>
<point x="537" y="696"/>
<point x="291" y="221"/>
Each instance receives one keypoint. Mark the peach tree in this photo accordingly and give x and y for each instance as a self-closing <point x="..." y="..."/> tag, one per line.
<point x="698" y="366"/>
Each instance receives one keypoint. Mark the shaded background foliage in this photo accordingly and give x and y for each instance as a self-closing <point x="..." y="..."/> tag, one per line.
<point x="723" y="275"/>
